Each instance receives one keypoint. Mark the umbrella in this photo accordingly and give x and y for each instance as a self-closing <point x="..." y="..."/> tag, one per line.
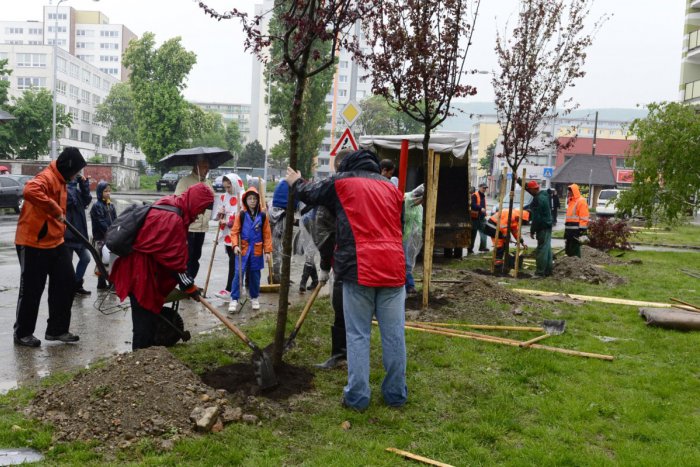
<point x="188" y="157"/>
<point x="4" y="168"/>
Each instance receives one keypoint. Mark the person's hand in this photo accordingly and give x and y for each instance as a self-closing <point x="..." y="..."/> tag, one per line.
<point x="194" y="293"/>
<point x="236" y="250"/>
<point x="323" y="276"/>
<point x="483" y="211"/>
<point x="268" y="257"/>
<point x="61" y="218"/>
<point x="292" y="176"/>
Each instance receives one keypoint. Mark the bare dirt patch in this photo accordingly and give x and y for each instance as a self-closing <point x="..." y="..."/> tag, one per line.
<point x="589" y="268"/>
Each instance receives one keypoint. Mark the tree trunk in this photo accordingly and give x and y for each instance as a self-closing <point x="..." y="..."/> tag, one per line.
<point x="289" y="215"/>
<point x="511" y="195"/>
<point x="121" y="155"/>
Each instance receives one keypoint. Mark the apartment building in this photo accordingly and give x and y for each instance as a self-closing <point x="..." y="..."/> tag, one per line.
<point x="239" y="113"/>
<point x="689" y="89"/>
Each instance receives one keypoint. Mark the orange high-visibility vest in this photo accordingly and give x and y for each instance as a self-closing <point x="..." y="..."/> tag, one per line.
<point x="577" y="215"/>
<point x="475" y="214"/>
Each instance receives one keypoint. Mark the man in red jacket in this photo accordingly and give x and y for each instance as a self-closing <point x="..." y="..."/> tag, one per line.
<point x="158" y="261"/>
<point x="369" y="259"/>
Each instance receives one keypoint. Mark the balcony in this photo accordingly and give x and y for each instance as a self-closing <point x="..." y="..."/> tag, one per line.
<point x="692" y="91"/>
<point x="695" y="4"/>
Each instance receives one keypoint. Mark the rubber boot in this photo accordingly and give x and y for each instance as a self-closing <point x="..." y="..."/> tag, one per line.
<point x="304" y="278"/>
<point x="79" y="290"/>
<point x="314" y="277"/>
<point x="338" y="349"/>
<point x="102" y="283"/>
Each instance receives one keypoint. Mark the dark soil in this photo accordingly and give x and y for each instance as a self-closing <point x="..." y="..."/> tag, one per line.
<point x="239" y="380"/>
<point x="588" y="268"/>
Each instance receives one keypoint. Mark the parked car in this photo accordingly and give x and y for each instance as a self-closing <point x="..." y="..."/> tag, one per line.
<point x="22" y="179"/>
<point x="606" y="203"/>
<point x="219" y="184"/>
<point x="168" y="182"/>
<point x="11" y="193"/>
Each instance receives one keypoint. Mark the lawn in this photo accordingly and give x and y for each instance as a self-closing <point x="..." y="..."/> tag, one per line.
<point x="688" y="235"/>
<point x="470" y="403"/>
<point x="148" y="182"/>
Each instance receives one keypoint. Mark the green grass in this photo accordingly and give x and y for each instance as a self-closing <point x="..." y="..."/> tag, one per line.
<point x="470" y="403"/>
<point x="148" y="182"/>
<point x="688" y="234"/>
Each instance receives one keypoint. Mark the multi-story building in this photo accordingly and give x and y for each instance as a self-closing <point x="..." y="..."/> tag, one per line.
<point x="689" y="89"/>
<point x="239" y="113"/>
<point x="88" y="57"/>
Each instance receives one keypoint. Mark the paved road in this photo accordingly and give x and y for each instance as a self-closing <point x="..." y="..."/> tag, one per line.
<point x="100" y="335"/>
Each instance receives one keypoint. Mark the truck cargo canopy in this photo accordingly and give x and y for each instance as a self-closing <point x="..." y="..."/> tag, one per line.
<point x="456" y="143"/>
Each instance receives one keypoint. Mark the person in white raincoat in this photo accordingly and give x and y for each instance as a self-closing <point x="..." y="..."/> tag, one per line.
<point x="412" y="232"/>
<point x="226" y="208"/>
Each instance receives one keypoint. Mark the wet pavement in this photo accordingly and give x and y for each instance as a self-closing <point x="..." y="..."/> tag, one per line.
<point x="102" y="335"/>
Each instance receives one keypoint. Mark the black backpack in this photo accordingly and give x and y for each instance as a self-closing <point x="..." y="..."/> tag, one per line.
<point x="122" y="233"/>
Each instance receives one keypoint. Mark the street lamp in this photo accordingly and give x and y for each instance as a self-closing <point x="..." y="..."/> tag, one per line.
<point x="267" y="125"/>
<point x="54" y="142"/>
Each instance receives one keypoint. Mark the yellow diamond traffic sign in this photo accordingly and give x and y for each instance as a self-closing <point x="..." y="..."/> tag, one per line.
<point x="350" y="112"/>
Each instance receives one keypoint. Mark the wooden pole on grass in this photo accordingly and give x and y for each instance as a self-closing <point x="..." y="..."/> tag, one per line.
<point x="433" y="176"/>
<point x="498" y="223"/>
<point x="520" y="224"/>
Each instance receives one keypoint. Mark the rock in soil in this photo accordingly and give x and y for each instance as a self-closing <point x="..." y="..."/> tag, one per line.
<point x="144" y="394"/>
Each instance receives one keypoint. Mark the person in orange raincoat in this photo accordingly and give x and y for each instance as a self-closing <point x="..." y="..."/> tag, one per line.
<point x="501" y="219"/>
<point x="576" y="223"/>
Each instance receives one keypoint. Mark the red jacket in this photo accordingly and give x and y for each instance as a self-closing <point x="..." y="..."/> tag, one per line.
<point x="160" y="250"/>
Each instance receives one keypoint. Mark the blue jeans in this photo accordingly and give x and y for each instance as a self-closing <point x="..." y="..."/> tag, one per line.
<point x="410" y="282"/>
<point x="83" y="261"/>
<point x="253" y="281"/>
<point x="387" y="304"/>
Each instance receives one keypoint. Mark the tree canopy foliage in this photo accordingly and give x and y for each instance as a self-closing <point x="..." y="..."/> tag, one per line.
<point x="157" y="78"/>
<point x="380" y="117"/>
<point x="666" y="159"/>
<point x="253" y="155"/>
<point x="118" y="112"/>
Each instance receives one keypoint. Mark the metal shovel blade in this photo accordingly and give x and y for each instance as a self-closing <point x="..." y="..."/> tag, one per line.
<point x="554" y="326"/>
<point x="264" y="370"/>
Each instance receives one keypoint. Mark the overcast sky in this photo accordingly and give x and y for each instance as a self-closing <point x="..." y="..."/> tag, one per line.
<point x="635" y="58"/>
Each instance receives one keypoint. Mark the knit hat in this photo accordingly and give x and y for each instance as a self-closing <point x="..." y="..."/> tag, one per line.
<point x="70" y="162"/>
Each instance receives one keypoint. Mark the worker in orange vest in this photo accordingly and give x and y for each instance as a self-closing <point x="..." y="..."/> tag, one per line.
<point x="501" y="219"/>
<point x="576" y="223"/>
<point x="478" y="217"/>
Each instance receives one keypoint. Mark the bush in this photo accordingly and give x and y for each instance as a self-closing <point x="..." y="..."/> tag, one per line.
<point x="607" y="234"/>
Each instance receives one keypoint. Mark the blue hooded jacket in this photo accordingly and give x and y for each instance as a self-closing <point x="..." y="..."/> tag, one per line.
<point x="102" y="214"/>
<point x="77" y="201"/>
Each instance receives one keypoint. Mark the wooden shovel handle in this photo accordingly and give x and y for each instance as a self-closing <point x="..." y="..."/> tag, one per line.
<point x="533" y="340"/>
<point x="226" y="321"/>
<point x="309" y="304"/>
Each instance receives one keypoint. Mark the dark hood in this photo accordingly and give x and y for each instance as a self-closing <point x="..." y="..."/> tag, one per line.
<point x="360" y="160"/>
<point x="100" y="189"/>
<point x="193" y="202"/>
<point x="70" y="162"/>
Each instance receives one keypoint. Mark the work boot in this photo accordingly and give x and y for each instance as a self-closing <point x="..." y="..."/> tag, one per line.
<point x="65" y="337"/>
<point x="314" y="277"/>
<point x="338" y="349"/>
<point x="79" y="290"/>
<point x="27" y="341"/>
<point x="304" y="278"/>
<point x="102" y="283"/>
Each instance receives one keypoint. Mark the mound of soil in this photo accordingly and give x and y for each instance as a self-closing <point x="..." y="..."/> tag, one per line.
<point x="584" y="269"/>
<point x="148" y="393"/>
<point x="594" y="256"/>
<point x="475" y="299"/>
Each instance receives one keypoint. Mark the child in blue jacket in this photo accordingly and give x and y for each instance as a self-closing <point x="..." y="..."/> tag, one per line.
<point x="250" y="237"/>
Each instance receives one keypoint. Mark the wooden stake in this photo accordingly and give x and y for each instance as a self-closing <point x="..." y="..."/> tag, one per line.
<point x="520" y="224"/>
<point x="485" y="327"/>
<point x="533" y="340"/>
<point x="513" y="343"/>
<point x="418" y="458"/>
<point x="498" y="221"/>
<point x="429" y="243"/>
<point x="696" y="308"/>
<point x="593" y="298"/>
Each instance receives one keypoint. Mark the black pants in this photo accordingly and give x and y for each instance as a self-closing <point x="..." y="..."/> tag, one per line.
<point x="144" y="325"/>
<point x="554" y="216"/>
<point x="231" y="267"/>
<point x="36" y="264"/>
<point x="195" y="240"/>
<point x="338" y="341"/>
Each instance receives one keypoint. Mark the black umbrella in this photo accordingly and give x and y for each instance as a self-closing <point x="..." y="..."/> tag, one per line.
<point x="188" y="157"/>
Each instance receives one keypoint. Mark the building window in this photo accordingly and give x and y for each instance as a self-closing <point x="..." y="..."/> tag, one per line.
<point x="58" y="42"/>
<point x="57" y="29"/>
<point x="96" y="81"/>
<point x="86" y="76"/>
<point x="74" y="70"/>
<point x="28" y="82"/>
<point x="343" y="78"/>
<point x="75" y="113"/>
<point x="110" y="71"/>
<point x="343" y="64"/>
<point x="85" y="136"/>
<point x="58" y="16"/>
<point x="85" y="117"/>
<point x="85" y="32"/>
<point x="14" y="42"/>
<point x="34" y="42"/>
<point x="14" y="31"/>
<point x="342" y="92"/>
<point x="73" y="134"/>
<point x="86" y="58"/>
<point x="85" y="96"/>
<point x="109" y="33"/>
<point x="31" y="60"/>
<point x="35" y="31"/>
<point x="84" y="45"/>
<point x="61" y="87"/>
<point x="61" y="64"/>
<point x="109" y="46"/>
<point x="105" y="85"/>
<point x="74" y="92"/>
<point x="96" y="99"/>
<point x="109" y="58"/>
<point x="96" y="140"/>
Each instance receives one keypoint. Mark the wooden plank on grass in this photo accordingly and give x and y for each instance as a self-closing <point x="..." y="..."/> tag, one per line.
<point x="593" y="298"/>
<point x="416" y="457"/>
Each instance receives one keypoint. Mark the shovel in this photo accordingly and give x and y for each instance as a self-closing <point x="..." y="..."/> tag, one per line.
<point x="211" y="262"/>
<point x="95" y="254"/>
<point x="552" y="327"/>
<point x="290" y="341"/>
<point x="271" y="287"/>
<point x="264" y="370"/>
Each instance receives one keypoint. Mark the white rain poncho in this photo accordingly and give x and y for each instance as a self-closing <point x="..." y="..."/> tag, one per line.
<point x="229" y="203"/>
<point x="413" y="225"/>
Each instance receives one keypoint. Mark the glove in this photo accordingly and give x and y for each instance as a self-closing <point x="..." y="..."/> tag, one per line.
<point x="323" y="276"/>
<point x="236" y="250"/>
<point x="187" y="286"/>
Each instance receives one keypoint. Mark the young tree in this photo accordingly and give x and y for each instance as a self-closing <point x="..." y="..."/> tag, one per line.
<point x="666" y="159"/>
<point x="486" y="162"/>
<point x="30" y="131"/>
<point x="380" y="117"/>
<point x="157" y="79"/>
<point x="253" y="155"/>
<point x="119" y="113"/>
<point x="305" y="25"/>
<point x="205" y="129"/>
<point x="5" y="133"/>
<point x="539" y="59"/>
<point x="234" y="140"/>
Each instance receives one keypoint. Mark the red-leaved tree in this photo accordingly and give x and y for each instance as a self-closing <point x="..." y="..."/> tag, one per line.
<point x="304" y="27"/>
<point x="539" y="59"/>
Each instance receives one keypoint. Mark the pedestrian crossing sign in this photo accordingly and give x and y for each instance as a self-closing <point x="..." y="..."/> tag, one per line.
<point x="547" y="172"/>
<point x="347" y="140"/>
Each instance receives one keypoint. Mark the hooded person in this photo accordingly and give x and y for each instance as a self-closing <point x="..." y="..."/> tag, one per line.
<point x="226" y="208"/>
<point x="102" y="215"/>
<point x="42" y="252"/>
<point x="251" y="238"/>
<point x="158" y="261"/>
<point x="412" y="232"/>
<point x="576" y="224"/>
<point x="77" y="201"/>
<point x="369" y="259"/>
